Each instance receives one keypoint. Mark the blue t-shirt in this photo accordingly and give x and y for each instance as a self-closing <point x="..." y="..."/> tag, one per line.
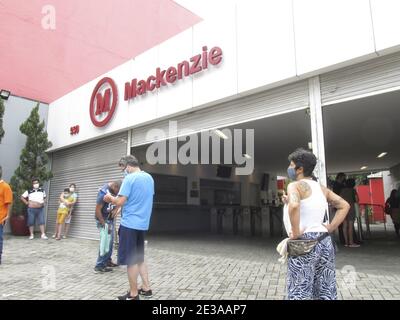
<point x="138" y="188"/>
<point x="107" y="207"/>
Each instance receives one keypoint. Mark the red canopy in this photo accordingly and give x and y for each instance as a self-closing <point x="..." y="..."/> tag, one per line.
<point x="90" y="38"/>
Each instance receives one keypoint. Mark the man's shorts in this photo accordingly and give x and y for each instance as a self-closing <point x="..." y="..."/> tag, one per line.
<point x="61" y="215"/>
<point x="35" y="214"/>
<point x="131" y="246"/>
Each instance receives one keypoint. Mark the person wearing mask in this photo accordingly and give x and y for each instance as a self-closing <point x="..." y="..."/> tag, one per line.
<point x="104" y="214"/>
<point x="67" y="223"/>
<point x="311" y="275"/>
<point x="34" y="199"/>
<point x="136" y="199"/>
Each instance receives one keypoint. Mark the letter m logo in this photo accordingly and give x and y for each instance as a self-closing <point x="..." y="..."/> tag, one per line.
<point x="103" y="103"/>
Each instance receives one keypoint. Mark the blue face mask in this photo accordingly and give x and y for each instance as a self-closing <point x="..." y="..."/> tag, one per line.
<point x="126" y="172"/>
<point x="291" y="173"/>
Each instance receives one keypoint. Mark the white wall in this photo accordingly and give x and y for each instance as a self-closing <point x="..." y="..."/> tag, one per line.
<point x="265" y="43"/>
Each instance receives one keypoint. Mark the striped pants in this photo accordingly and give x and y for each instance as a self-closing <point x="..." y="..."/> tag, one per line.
<point x="312" y="276"/>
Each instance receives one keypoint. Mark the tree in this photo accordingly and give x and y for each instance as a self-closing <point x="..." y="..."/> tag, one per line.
<point x="1" y="119"/>
<point x="33" y="159"/>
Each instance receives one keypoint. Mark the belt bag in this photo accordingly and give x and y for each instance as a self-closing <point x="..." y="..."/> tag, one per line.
<point x="297" y="248"/>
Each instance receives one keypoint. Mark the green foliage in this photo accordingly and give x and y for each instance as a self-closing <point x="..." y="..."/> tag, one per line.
<point x="1" y="119"/>
<point x="33" y="159"/>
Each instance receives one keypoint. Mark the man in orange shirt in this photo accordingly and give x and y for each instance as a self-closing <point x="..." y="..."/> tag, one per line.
<point x="6" y="198"/>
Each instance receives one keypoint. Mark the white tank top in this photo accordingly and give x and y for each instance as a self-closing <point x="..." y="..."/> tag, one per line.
<point x="312" y="210"/>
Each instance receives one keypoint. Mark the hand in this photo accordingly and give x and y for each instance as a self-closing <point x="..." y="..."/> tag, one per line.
<point x="108" y="198"/>
<point x="295" y="235"/>
<point x="328" y="227"/>
<point x="285" y="199"/>
<point x="3" y="222"/>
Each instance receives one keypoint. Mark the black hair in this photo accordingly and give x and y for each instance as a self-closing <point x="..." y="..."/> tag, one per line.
<point x="304" y="159"/>
<point x="72" y="184"/>
<point x="340" y="175"/>
<point x="66" y="190"/>
<point x="129" y="160"/>
<point x="35" y="179"/>
<point x="350" y="183"/>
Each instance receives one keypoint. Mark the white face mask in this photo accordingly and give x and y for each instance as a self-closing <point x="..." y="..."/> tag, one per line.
<point x="36" y="186"/>
<point x="72" y="189"/>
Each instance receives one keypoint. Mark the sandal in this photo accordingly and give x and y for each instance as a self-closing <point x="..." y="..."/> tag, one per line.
<point x="354" y="245"/>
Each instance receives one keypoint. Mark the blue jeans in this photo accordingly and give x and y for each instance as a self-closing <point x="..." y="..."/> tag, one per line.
<point x="35" y="214"/>
<point x="1" y="239"/>
<point x="102" y="260"/>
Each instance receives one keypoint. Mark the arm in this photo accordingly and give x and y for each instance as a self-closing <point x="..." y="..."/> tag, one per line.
<point x="98" y="213"/>
<point x="24" y="200"/>
<point x="119" y="201"/>
<point x="342" y="208"/>
<point x="294" y="209"/>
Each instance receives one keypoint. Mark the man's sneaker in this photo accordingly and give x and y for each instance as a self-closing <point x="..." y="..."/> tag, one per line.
<point x="147" y="294"/>
<point x="102" y="269"/>
<point x="111" y="264"/>
<point x="31" y="237"/>
<point x="128" y="296"/>
<point x="44" y="237"/>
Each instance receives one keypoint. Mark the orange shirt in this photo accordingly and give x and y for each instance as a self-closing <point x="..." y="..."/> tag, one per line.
<point x="6" y="198"/>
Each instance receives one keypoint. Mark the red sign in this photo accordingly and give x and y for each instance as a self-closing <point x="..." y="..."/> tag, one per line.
<point x="74" y="130"/>
<point x="103" y="102"/>
<point x="162" y="77"/>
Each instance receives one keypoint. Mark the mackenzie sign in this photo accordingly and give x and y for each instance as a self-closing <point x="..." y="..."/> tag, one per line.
<point x="105" y="95"/>
<point x="162" y="77"/>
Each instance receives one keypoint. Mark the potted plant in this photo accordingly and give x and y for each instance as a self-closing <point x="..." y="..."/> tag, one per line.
<point x="33" y="163"/>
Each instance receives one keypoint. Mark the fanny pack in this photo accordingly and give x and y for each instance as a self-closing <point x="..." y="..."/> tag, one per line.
<point x="301" y="247"/>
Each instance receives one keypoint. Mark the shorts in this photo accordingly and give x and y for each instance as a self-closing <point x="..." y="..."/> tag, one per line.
<point x="61" y="217"/>
<point x="35" y="214"/>
<point x="131" y="246"/>
<point x="68" y="219"/>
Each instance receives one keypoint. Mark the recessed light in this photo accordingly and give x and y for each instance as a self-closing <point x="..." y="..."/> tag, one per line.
<point x="382" y="154"/>
<point x="220" y="134"/>
<point x="364" y="167"/>
<point x="247" y="156"/>
<point x="4" y="94"/>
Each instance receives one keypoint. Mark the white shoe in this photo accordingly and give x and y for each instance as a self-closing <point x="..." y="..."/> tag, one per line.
<point x="31" y="237"/>
<point x="44" y="237"/>
<point x="53" y="236"/>
<point x="64" y="237"/>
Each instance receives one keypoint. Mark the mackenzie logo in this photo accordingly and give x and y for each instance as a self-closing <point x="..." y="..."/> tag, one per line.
<point x="103" y="102"/>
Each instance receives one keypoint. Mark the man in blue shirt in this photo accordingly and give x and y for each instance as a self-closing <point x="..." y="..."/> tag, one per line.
<point x="136" y="199"/>
<point x="105" y="213"/>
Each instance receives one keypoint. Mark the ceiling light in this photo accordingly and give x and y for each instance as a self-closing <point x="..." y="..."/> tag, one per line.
<point x="364" y="167"/>
<point x="4" y="94"/>
<point x="247" y="156"/>
<point x="220" y="134"/>
<point x="382" y="154"/>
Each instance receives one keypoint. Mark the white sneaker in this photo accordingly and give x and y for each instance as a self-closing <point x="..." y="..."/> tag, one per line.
<point x="31" y="237"/>
<point x="53" y="236"/>
<point x="64" y="237"/>
<point x="44" y="237"/>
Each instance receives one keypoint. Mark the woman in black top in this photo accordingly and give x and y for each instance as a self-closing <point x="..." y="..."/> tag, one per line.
<point x="392" y="207"/>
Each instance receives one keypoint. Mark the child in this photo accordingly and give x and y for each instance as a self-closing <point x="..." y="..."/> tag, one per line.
<point x="62" y="212"/>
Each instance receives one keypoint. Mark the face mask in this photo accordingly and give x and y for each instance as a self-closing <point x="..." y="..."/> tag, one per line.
<point x="72" y="189"/>
<point x="126" y="172"/>
<point x="36" y="186"/>
<point x="291" y="173"/>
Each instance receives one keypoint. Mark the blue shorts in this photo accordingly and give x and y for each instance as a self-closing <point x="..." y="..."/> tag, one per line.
<point x="35" y="214"/>
<point x="131" y="246"/>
